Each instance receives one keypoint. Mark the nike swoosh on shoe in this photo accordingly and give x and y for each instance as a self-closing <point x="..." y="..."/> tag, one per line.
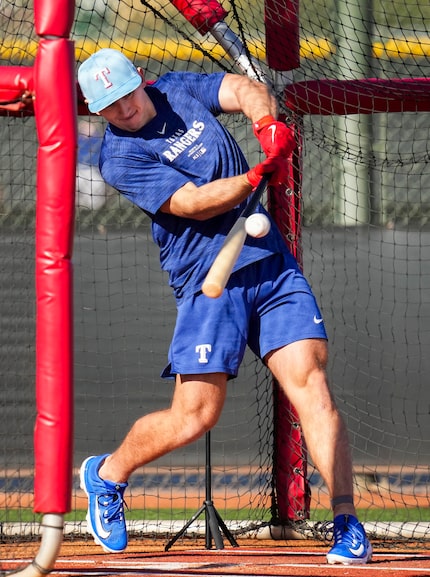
<point x="101" y="531"/>
<point x="359" y="551"/>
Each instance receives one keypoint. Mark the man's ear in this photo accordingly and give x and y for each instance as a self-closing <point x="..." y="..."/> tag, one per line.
<point x="141" y="73"/>
<point x="86" y="102"/>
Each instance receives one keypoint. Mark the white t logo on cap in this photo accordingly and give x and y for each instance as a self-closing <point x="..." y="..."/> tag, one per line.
<point x="102" y="75"/>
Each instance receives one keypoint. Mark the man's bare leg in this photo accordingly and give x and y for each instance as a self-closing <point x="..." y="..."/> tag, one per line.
<point x="196" y="406"/>
<point x="300" y="369"/>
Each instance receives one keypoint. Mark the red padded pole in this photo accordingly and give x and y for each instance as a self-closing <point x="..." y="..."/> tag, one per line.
<point x="54" y="19"/>
<point x="55" y="111"/>
<point x="361" y="96"/>
<point x="282" y="34"/>
<point x="15" y="82"/>
<point x="290" y="455"/>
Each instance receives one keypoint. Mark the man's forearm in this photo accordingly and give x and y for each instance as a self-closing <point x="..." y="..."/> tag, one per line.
<point x="210" y="199"/>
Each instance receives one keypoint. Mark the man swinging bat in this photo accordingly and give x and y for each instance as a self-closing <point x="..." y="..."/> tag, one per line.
<point x="167" y="153"/>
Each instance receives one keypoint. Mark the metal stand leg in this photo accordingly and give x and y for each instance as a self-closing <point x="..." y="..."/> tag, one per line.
<point x="213" y="522"/>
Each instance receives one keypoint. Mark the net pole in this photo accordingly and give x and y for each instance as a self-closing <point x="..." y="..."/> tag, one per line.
<point x="282" y="34"/>
<point x="353" y="133"/>
<point x="292" y="492"/>
<point x="281" y="19"/>
<point x="362" y="96"/>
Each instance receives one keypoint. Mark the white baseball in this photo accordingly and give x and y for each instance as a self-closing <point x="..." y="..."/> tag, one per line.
<point x="257" y="225"/>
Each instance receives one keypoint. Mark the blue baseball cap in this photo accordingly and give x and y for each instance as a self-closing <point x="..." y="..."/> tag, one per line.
<point x="106" y="77"/>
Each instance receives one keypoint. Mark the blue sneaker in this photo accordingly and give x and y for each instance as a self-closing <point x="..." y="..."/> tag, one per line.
<point x="105" y="517"/>
<point x="351" y="546"/>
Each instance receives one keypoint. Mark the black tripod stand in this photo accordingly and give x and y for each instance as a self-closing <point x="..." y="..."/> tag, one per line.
<point x="213" y="522"/>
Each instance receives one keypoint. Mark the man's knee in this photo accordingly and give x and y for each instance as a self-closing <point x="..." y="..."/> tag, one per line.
<point x="300" y="364"/>
<point x="198" y="403"/>
<point x="195" y="425"/>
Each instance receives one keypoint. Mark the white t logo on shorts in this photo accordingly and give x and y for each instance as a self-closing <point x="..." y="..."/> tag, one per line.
<point x="202" y="350"/>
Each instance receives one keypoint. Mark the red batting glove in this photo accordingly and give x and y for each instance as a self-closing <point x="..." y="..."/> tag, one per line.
<point x="268" y="166"/>
<point x="277" y="167"/>
<point x="275" y="137"/>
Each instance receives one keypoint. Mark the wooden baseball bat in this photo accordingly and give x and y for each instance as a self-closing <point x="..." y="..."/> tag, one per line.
<point x="220" y="271"/>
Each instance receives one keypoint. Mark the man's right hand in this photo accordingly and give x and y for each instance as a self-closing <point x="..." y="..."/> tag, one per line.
<point x="276" y="166"/>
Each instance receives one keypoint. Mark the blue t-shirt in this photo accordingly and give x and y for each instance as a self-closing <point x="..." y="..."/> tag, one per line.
<point x="89" y="149"/>
<point x="184" y="142"/>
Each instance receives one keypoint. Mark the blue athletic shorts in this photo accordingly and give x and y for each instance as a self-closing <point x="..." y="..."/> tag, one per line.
<point x="266" y="305"/>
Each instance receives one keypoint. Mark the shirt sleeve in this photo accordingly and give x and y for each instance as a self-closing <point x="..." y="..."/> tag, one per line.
<point x="204" y="88"/>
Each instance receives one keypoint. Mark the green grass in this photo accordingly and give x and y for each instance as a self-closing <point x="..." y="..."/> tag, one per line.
<point x="383" y="515"/>
<point x="413" y="515"/>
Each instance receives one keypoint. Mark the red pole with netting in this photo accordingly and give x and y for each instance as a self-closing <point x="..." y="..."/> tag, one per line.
<point x="290" y="458"/>
<point x="281" y="19"/>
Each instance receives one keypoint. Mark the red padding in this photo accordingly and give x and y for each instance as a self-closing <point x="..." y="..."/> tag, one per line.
<point x="15" y="81"/>
<point x="53" y="18"/>
<point x="290" y="464"/>
<point x="282" y="34"/>
<point x="363" y="96"/>
<point x="55" y="110"/>
<point x="202" y="14"/>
